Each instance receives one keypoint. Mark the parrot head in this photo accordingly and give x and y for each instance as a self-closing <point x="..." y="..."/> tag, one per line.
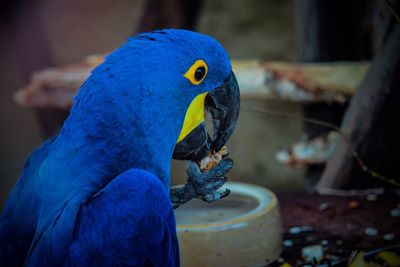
<point x="209" y="74"/>
<point x="202" y="81"/>
<point x="151" y="95"/>
<point x="222" y="103"/>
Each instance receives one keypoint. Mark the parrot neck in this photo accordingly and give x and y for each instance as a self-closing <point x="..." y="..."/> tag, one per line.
<point x="103" y="148"/>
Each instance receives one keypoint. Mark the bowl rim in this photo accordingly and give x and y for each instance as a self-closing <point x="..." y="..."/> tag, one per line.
<point x="266" y="202"/>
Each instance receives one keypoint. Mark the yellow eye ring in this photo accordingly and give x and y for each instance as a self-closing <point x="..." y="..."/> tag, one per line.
<point x="197" y="72"/>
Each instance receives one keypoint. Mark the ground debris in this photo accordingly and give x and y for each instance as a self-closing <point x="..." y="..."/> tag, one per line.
<point x="326" y="206"/>
<point x="287" y="243"/>
<point x="313" y="253"/>
<point x="389" y="236"/>
<point x="339" y="230"/>
<point x="395" y="212"/>
<point x="370" y="231"/>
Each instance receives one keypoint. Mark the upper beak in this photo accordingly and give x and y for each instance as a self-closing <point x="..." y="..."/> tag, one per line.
<point x="223" y="104"/>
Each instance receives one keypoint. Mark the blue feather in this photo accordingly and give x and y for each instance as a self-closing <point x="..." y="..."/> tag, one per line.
<point x="130" y="222"/>
<point x="98" y="193"/>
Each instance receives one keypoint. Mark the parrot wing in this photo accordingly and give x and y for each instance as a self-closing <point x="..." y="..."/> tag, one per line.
<point x="129" y="223"/>
<point x="17" y="222"/>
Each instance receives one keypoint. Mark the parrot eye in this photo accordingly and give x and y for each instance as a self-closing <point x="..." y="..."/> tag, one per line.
<point x="200" y="73"/>
<point x="197" y="72"/>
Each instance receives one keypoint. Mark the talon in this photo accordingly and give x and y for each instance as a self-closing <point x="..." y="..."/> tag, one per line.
<point x="225" y="193"/>
<point x="214" y="196"/>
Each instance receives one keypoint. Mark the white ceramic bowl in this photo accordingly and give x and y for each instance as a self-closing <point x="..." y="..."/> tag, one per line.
<point x="242" y="229"/>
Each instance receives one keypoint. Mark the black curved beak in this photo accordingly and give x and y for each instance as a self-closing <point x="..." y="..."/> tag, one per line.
<point x="223" y="103"/>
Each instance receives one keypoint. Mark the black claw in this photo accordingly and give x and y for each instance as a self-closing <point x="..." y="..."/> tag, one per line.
<point x="225" y="193"/>
<point x="216" y="195"/>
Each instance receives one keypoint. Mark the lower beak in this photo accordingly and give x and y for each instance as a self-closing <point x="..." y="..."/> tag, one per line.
<point x="223" y="103"/>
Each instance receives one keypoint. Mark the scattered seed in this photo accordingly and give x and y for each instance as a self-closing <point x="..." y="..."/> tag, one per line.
<point x="388" y="236"/>
<point x="295" y="230"/>
<point x="313" y="253"/>
<point x="325" y="243"/>
<point x="370" y="231"/>
<point x="287" y="243"/>
<point x="326" y="206"/>
<point x="395" y="212"/>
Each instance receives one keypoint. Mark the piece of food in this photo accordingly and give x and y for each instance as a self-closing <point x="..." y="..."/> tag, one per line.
<point x="212" y="159"/>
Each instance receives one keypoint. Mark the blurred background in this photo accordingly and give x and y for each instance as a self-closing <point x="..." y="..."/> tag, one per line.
<point x="307" y="69"/>
<point x="276" y="47"/>
<point x="39" y="34"/>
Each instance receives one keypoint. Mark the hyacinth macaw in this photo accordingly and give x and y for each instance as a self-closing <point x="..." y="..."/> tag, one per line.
<point x="98" y="194"/>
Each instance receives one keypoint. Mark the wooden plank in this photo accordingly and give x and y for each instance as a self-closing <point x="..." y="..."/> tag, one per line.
<point x="334" y="82"/>
<point x="306" y="82"/>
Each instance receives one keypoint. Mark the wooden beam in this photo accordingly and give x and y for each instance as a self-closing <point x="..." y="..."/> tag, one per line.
<point x="333" y="82"/>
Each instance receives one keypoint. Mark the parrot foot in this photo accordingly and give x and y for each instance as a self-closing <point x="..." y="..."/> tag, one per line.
<point x="202" y="185"/>
<point x="217" y="195"/>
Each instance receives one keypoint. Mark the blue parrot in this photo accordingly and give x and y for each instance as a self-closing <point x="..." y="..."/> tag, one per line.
<point x="98" y="193"/>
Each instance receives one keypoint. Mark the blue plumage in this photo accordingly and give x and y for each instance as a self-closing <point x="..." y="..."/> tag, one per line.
<point x="97" y="194"/>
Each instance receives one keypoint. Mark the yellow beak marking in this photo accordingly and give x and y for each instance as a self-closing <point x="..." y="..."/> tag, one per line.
<point x="194" y="116"/>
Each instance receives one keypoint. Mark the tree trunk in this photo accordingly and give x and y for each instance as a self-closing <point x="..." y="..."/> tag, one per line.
<point x="331" y="30"/>
<point x="370" y="123"/>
